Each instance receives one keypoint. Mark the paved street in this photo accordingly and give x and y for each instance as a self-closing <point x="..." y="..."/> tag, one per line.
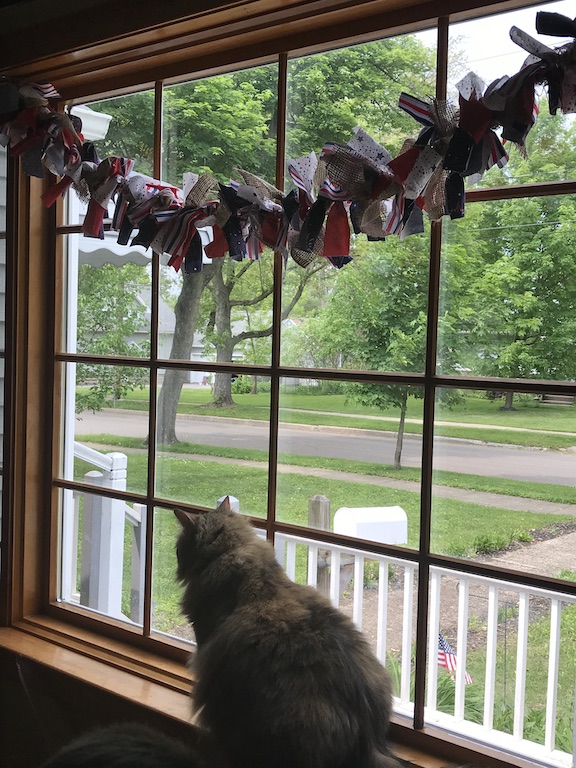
<point x="363" y="445"/>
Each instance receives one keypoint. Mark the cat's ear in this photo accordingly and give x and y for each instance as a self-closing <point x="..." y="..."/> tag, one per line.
<point x="225" y="505"/>
<point x="187" y="519"/>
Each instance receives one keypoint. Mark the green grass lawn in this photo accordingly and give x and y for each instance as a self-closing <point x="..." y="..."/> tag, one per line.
<point x="528" y="413"/>
<point x="455" y="526"/>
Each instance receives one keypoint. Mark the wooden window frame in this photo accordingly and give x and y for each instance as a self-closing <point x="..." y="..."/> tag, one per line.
<point x="261" y="31"/>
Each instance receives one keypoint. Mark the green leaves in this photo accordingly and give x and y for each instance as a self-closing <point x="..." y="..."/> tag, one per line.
<point x="219" y="124"/>
<point x="111" y="321"/>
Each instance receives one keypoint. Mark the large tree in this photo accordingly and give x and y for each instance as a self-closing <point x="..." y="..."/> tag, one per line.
<point x="232" y="320"/>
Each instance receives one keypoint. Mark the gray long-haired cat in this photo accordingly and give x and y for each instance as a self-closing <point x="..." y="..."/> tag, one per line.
<point x="283" y="679"/>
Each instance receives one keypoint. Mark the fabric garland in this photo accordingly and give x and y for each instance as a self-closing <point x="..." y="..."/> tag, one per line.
<point x="354" y="187"/>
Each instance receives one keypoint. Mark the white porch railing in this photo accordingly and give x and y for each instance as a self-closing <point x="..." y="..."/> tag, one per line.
<point x="498" y="600"/>
<point x="101" y="560"/>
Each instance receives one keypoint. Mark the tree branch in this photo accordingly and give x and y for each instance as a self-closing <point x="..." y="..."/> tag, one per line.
<point x="251" y="302"/>
<point x="305" y="277"/>
<point x="235" y="276"/>
<point x="252" y="335"/>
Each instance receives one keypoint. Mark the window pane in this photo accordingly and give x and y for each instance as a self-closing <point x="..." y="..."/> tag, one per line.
<point x="370" y="315"/>
<point x="108" y="301"/>
<point x="167" y="616"/>
<point x="130" y="132"/>
<point x="484" y="47"/>
<point x="101" y="553"/>
<point x="207" y="452"/>
<point x="503" y="630"/>
<point x="211" y="315"/>
<point x="329" y="94"/>
<point x="504" y="479"/>
<point x="221" y="123"/>
<point x="383" y="291"/>
<point x="345" y="461"/>
<point x="508" y="303"/>
<point x="119" y="127"/>
<point x="105" y="434"/>
<point x="217" y="126"/>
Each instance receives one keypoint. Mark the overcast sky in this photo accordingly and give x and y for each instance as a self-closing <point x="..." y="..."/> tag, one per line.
<point x="486" y="42"/>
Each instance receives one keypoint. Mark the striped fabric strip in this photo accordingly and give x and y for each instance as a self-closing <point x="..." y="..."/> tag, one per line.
<point x="393" y="223"/>
<point x="47" y="90"/>
<point x="253" y="248"/>
<point x="162" y="198"/>
<point x="417" y="108"/>
<point x="328" y="149"/>
<point x="333" y="191"/>
<point x="119" y="212"/>
<point x="302" y="172"/>
<point x="498" y="155"/>
<point x="182" y="230"/>
<point x="164" y="216"/>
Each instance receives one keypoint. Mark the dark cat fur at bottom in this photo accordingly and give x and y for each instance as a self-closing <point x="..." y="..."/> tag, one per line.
<point x="283" y="679"/>
<point x="126" y="745"/>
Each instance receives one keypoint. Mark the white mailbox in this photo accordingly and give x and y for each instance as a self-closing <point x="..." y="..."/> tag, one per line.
<point x="388" y="525"/>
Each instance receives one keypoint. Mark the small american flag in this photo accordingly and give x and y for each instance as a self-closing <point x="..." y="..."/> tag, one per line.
<point x="447" y="658"/>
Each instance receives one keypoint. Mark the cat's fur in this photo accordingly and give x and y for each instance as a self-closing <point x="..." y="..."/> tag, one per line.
<point x="126" y="745"/>
<point x="283" y="679"/>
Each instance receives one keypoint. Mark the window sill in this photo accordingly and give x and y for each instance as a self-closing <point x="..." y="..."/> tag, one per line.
<point x="118" y="668"/>
<point x="163" y="687"/>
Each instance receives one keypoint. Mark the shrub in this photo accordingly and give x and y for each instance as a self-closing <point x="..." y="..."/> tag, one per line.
<point x="486" y="544"/>
<point x="241" y="386"/>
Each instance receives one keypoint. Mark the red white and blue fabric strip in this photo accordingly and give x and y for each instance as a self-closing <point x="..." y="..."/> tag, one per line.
<point x="181" y="231"/>
<point x="417" y="108"/>
<point x="333" y="191"/>
<point x="393" y="223"/>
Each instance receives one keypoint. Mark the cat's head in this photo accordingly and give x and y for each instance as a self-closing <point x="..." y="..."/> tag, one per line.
<point x="207" y="535"/>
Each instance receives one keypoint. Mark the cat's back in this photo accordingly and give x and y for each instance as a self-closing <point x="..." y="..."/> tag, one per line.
<point x="284" y="627"/>
<point x="296" y="663"/>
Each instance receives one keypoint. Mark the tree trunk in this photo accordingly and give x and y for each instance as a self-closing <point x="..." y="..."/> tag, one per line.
<point x="187" y="310"/>
<point x="400" y="435"/>
<point x="508" y="404"/>
<point x="222" y="396"/>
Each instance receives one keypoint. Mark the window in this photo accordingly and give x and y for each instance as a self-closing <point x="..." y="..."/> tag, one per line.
<point x="398" y="424"/>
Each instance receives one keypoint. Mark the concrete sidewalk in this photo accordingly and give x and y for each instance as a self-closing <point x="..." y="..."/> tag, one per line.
<point x="462" y="494"/>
